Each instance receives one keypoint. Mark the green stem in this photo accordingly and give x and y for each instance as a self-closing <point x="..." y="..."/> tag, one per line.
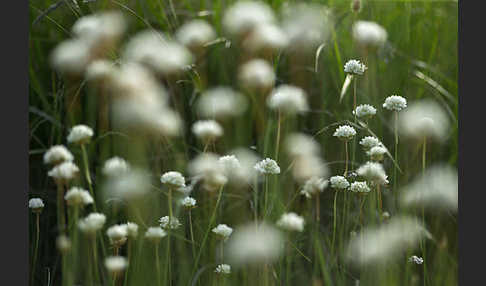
<point x="37" y="214"/>
<point x="88" y="176"/>
<point x="396" y="153"/>
<point x="61" y="219"/>
<point x="278" y="136"/>
<point x="192" y="236"/>
<point x="157" y="263"/>
<point x="346" y="158"/>
<point x="334" y="221"/>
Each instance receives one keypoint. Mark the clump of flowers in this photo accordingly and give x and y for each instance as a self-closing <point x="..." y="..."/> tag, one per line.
<point x="57" y="154"/>
<point x="395" y="103"/>
<point x="291" y="221"/>
<point x="223" y="269"/>
<point x="267" y="166"/>
<point x="223" y="231"/>
<point x="359" y="187"/>
<point x="155" y="234"/>
<point x="339" y="182"/>
<point x="207" y="130"/>
<point x="80" y="134"/>
<point x="78" y="197"/>
<point x="365" y="111"/>
<point x="345" y="132"/>
<point x="174" y="180"/>
<point x="288" y="99"/>
<point x="169" y="223"/>
<point x="314" y="186"/>
<point x="354" y="67"/>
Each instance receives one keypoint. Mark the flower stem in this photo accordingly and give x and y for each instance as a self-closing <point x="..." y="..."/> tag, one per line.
<point x="157" y="263"/>
<point x="88" y="176"/>
<point x="346" y="158"/>
<point x="396" y="153"/>
<point x="36" y="246"/>
<point x="334" y="221"/>
<point x="61" y="220"/>
<point x="192" y="236"/>
<point x="278" y="135"/>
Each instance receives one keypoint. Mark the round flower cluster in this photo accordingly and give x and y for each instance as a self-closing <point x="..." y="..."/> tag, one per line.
<point x="291" y="221"/>
<point x="373" y="172"/>
<point x="63" y="243"/>
<point x="376" y="153"/>
<point x="132" y="229"/>
<point x="92" y="223"/>
<point x="266" y="37"/>
<point x="415" y="259"/>
<point x="117" y="234"/>
<point x="80" y="134"/>
<point x="195" y="34"/>
<point x="313" y="186"/>
<point x="207" y="167"/>
<point x="223" y="231"/>
<point x="364" y="111"/>
<point x="221" y="102"/>
<point x="57" y="154"/>
<point x="172" y="223"/>
<point x="267" y="166"/>
<point x="368" y="33"/>
<point x="242" y="17"/>
<point x="345" y="132"/>
<point x="256" y="75"/>
<point x="207" y="130"/>
<point x="354" y="67"/>
<point x="359" y="187"/>
<point x="395" y="102"/>
<point x="36" y="204"/>
<point x="223" y="269"/>
<point x="173" y="180"/>
<point x="288" y="99"/>
<point x="64" y="171"/>
<point x="116" y="264"/>
<point x="78" y="197"/>
<point x="188" y="202"/>
<point x="369" y="142"/>
<point x="339" y="182"/>
<point x="155" y="233"/>
<point x="115" y="166"/>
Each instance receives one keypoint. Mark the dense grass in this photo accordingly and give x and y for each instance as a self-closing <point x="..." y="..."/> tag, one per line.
<point x="419" y="61"/>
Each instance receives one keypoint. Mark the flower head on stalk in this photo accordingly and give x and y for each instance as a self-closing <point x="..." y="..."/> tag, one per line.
<point x="57" y="154"/>
<point x="354" y="67"/>
<point x="188" y="203"/>
<point x="36" y="205"/>
<point x="223" y="231"/>
<point x="80" y="134"/>
<point x="78" y="197"/>
<point x="267" y="166"/>
<point x="345" y="132"/>
<point x="155" y="234"/>
<point x="291" y="222"/>
<point x="339" y="182"/>
<point x="173" y="180"/>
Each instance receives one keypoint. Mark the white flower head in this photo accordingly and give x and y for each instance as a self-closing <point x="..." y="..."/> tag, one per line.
<point x="369" y="142"/>
<point x="207" y="130"/>
<point x="300" y="144"/>
<point x="288" y="99"/>
<point x="207" y="167"/>
<point x="291" y="222"/>
<point x="174" y="180"/>
<point x="195" y="34"/>
<point x="354" y="67"/>
<point x="345" y="132"/>
<point x="221" y="102"/>
<point x="130" y="185"/>
<point x="306" y="167"/>
<point x="359" y="187"/>
<point x="36" y="204"/>
<point x="243" y="16"/>
<point x="223" y="269"/>
<point x="369" y="34"/>
<point x="373" y="172"/>
<point x="78" y="197"/>
<point x="132" y="229"/>
<point x="188" y="202"/>
<point x="172" y="223"/>
<point x="267" y="166"/>
<point x="364" y="111"/>
<point x="71" y="57"/>
<point x="377" y="153"/>
<point x="395" y="103"/>
<point x="239" y="167"/>
<point x="115" y="167"/>
<point x="339" y="182"/>
<point x="155" y="234"/>
<point x="313" y="186"/>
<point x="57" y="154"/>
<point x="100" y="70"/>
<point x="63" y="243"/>
<point x="64" y="172"/>
<point x="415" y="259"/>
<point x="80" y="134"/>
<point x="117" y="234"/>
<point x="256" y="75"/>
<point x="266" y="37"/>
<point x="116" y="264"/>
<point x="223" y="231"/>
<point x="92" y="223"/>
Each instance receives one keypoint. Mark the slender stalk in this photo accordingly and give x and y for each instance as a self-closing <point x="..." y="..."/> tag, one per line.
<point x="278" y="136"/>
<point x="61" y="219"/>
<point x="129" y="256"/>
<point x="380" y="203"/>
<point x="346" y="158"/>
<point x="266" y="196"/>
<point x="95" y="258"/>
<point x="157" y="263"/>
<point x="87" y="174"/>
<point x="36" y="248"/>
<point x="363" y="199"/>
<point x="396" y="154"/>
<point x="334" y="221"/>
<point x="114" y="279"/>
<point x="318" y="207"/>
<point x="168" y="270"/>
<point x="424" y="250"/>
<point x="192" y="236"/>
<point x="354" y="100"/>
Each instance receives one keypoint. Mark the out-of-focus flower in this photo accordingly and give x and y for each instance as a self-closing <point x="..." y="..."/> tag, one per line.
<point x="207" y="167"/>
<point x="256" y="76"/>
<point x="313" y="186"/>
<point x="188" y="202"/>
<point x="266" y="38"/>
<point x="300" y="144"/>
<point x="359" y="187"/>
<point x="80" y="134"/>
<point x="130" y="185"/>
<point x="174" y="180"/>
<point x="71" y="57"/>
<point x="132" y="229"/>
<point x="339" y="182"/>
<point x="395" y="103"/>
<point x="117" y="234"/>
<point x="155" y="234"/>
<point x="306" y="167"/>
<point x="239" y="168"/>
<point x="223" y="231"/>
<point x="223" y="269"/>
<point x="64" y="172"/>
<point x="373" y="172"/>
<point x="369" y="34"/>
<point x="221" y="102"/>
<point x="169" y="223"/>
<point x="78" y="197"/>
<point x="288" y="99"/>
<point x="207" y="130"/>
<point x="63" y="243"/>
<point x="115" y="166"/>
<point x="415" y="259"/>
<point x="267" y="166"/>
<point x="99" y="70"/>
<point x="376" y="153"/>
<point x="116" y="264"/>
<point x="291" y="221"/>
<point x="57" y="154"/>
<point x="92" y="223"/>
<point x="243" y="16"/>
<point x="195" y="34"/>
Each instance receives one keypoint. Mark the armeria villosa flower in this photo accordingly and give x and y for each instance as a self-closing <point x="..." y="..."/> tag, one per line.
<point x="339" y="182"/>
<point x="365" y="111"/>
<point x="57" y="154"/>
<point x="115" y="167"/>
<point x="71" y="57"/>
<point x="188" y="202"/>
<point x="306" y="167"/>
<point x="395" y="103"/>
<point x="369" y="142"/>
<point x="359" y="187"/>
<point x="369" y="34"/>
<point x="223" y="269"/>
<point x="230" y="164"/>
<point x="267" y="166"/>
<point x="64" y="172"/>
<point x="132" y="184"/>
<point x="100" y="70"/>
<point x="266" y="38"/>
<point x="80" y="134"/>
<point x="256" y="75"/>
<point x="288" y="99"/>
<point x="78" y="197"/>
<point x="117" y="234"/>
<point x="207" y="130"/>
<point x="63" y="243"/>
<point x="291" y="222"/>
<point x="155" y="234"/>
<point x="415" y="259"/>
<point x="221" y="102"/>
<point x="195" y="34"/>
<point x="132" y="229"/>
<point x="207" y="167"/>
<point x="314" y="186"/>
<point x="173" y="180"/>
<point x="354" y="67"/>
<point x="92" y="223"/>
<point x="242" y="17"/>
<point x="172" y="223"/>
<point x="345" y="132"/>
<point x="373" y="172"/>
<point x="36" y="205"/>
<point x="300" y="144"/>
<point x="377" y="153"/>
<point x="223" y="231"/>
<point x="116" y="264"/>
<point x="239" y="168"/>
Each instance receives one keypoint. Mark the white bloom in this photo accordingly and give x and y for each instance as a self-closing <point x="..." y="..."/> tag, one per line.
<point x="385" y="215"/>
<point x="368" y="33"/>
<point x="373" y="172"/>
<point x="101" y="30"/>
<point x="64" y="171"/>
<point x="71" y="57"/>
<point x="221" y="102"/>
<point x="188" y="202"/>
<point x="238" y="168"/>
<point x="364" y="111"/>
<point x="99" y="70"/>
<point x="395" y="103"/>
<point x="207" y="130"/>
<point x="359" y="187"/>
<point x="244" y="16"/>
<point x="230" y="165"/>
<point x="36" y="204"/>
<point x="339" y="182"/>
<point x="115" y="166"/>
<point x="223" y="230"/>
<point x="369" y="142"/>
<point x="252" y="244"/>
<point x="223" y="269"/>
<point x="208" y="167"/>
<point x="116" y="264"/>
<point x="132" y="229"/>
<point x="78" y="197"/>
<point x="256" y="76"/>
<point x="266" y="37"/>
<point x="291" y="221"/>
<point x="195" y="34"/>
<point x="155" y="234"/>
<point x="415" y="259"/>
<point x="288" y="99"/>
<point x="313" y="186"/>
<point x="117" y="234"/>
<point x="57" y="154"/>
<point x="92" y="223"/>
<point x="63" y="243"/>
<point x="173" y="180"/>
<point x="172" y="223"/>
<point x="424" y="119"/>
<point x="80" y="134"/>
<point x="306" y="167"/>
<point x="299" y="144"/>
<point x="345" y="132"/>
<point x="354" y="67"/>
<point x="132" y="184"/>
<point x="376" y="153"/>
<point x="267" y="166"/>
